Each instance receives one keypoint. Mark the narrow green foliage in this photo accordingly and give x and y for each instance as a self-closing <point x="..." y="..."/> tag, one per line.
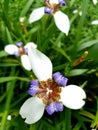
<point x="80" y="24"/>
<point x="76" y="72"/>
<point x="26" y="8"/>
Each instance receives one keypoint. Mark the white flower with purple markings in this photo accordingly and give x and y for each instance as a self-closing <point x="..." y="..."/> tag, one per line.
<point x="22" y="51"/>
<point x="61" y="19"/>
<point x="50" y="91"/>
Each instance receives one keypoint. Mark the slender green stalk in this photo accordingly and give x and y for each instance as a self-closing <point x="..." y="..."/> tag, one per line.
<point x="10" y="86"/>
<point x="67" y="119"/>
<point x="32" y="127"/>
<point x="7" y="107"/>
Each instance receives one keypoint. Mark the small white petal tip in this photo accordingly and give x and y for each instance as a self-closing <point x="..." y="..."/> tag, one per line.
<point x="9" y="117"/>
<point x="76" y="11"/>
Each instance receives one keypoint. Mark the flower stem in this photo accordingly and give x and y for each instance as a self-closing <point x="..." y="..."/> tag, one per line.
<point x="67" y="119"/>
<point x="7" y="106"/>
<point x="32" y="127"/>
<point x="10" y="86"/>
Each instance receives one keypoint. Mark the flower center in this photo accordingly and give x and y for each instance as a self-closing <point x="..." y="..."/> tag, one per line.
<point x="53" y="7"/>
<point x="49" y="91"/>
<point x="21" y="49"/>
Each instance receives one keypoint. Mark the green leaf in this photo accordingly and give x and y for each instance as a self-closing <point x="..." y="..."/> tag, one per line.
<point x="95" y="121"/>
<point x="26" y="8"/>
<point x="3" y="53"/>
<point x="6" y="5"/>
<point x="76" y="72"/>
<point x="87" y="114"/>
<point x="63" y="52"/>
<point x="80" y="25"/>
<point x="77" y="126"/>
<point x="93" y="52"/>
<point x="10" y="40"/>
<point x="6" y="79"/>
<point x="87" y="44"/>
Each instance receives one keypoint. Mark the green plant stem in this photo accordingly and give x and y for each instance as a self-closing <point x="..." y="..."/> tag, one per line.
<point x="10" y="86"/>
<point x="32" y="127"/>
<point x="67" y="119"/>
<point x="7" y="106"/>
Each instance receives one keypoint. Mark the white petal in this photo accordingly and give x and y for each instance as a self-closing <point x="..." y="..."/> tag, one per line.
<point x="11" y="49"/>
<point x="26" y="62"/>
<point x="75" y="11"/>
<point x="94" y="2"/>
<point x="72" y="96"/>
<point x="32" y="110"/>
<point x="41" y="64"/>
<point x="53" y="1"/>
<point x="95" y="22"/>
<point x="80" y="13"/>
<point x="22" y="19"/>
<point x="36" y="14"/>
<point x="29" y="44"/>
<point x="62" y="22"/>
<point x="9" y="117"/>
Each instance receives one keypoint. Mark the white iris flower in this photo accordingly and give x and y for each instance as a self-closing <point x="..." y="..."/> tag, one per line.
<point x="22" y="51"/>
<point x="61" y="19"/>
<point x="49" y="92"/>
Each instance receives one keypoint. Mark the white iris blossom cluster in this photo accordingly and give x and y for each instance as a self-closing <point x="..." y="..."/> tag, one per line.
<point x="20" y="51"/>
<point x="49" y="91"/>
<point x="71" y="96"/>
